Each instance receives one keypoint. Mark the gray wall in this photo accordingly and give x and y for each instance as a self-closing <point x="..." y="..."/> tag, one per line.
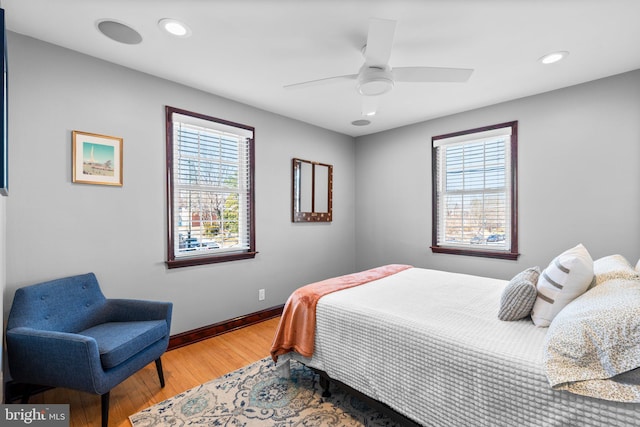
<point x="578" y="152"/>
<point x="56" y="228"/>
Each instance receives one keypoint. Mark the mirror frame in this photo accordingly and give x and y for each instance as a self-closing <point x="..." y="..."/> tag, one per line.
<point x="312" y="216"/>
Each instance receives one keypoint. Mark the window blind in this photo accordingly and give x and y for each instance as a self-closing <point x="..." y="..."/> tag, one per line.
<point x="211" y="181"/>
<point x="473" y="175"/>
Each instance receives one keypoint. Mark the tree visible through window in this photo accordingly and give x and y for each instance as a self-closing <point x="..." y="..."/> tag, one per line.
<point x="474" y="192"/>
<point x="210" y="189"/>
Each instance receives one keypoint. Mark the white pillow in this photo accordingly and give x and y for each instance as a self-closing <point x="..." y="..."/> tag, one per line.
<point x="591" y="348"/>
<point x="613" y="267"/>
<point x="567" y="277"/>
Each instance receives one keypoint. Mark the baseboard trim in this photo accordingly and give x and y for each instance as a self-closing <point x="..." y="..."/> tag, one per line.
<point x="205" y="332"/>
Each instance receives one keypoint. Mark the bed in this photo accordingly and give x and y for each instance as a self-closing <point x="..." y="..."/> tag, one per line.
<point x="429" y="345"/>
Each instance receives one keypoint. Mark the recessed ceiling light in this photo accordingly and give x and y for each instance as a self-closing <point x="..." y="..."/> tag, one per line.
<point x="361" y="122"/>
<point x="174" y="27"/>
<point x="554" y="57"/>
<point x="119" y="32"/>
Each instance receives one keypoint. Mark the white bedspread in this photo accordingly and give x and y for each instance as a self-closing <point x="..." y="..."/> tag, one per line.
<point x="429" y="344"/>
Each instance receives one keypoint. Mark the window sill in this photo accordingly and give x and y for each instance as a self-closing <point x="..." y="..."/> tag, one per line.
<point x="189" y="262"/>
<point x="512" y="256"/>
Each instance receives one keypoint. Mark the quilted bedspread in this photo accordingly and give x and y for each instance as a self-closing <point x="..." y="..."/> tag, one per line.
<point x="296" y="331"/>
<point x="430" y="345"/>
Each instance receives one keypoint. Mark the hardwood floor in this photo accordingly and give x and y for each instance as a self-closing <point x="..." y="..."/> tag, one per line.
<point x="184" y="368"/>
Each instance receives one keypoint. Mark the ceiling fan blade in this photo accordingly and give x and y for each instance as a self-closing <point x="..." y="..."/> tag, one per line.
<point x="321" y="81"/>
<point x="431" y="74"/>
<point x="369" y="105"/>
<point x="379" y="41"/>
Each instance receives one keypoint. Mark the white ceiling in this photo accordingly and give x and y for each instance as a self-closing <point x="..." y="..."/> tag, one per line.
<point x="248" y="50"/>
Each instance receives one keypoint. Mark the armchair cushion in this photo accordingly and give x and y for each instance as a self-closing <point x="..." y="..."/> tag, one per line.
<point x="118" y="341"/>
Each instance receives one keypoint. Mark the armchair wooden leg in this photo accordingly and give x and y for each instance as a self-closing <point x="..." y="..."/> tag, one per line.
<point x="26" y="393"/>
<point x="105" y="409"/>
<point x="160" y="373"/>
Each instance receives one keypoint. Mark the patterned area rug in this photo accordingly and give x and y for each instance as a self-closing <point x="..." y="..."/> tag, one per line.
<point x="256" y="396"/>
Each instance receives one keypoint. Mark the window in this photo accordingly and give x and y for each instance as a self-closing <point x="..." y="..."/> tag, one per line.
<point x="474" y="192"/>
<point x="210" y="165"/>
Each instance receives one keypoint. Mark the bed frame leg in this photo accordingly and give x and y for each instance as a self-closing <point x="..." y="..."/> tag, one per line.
<point x="325" y="383"/>
<point x="284" y="369"/>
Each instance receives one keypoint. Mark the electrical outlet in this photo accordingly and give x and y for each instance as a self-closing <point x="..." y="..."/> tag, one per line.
<point x="261" y="295"/>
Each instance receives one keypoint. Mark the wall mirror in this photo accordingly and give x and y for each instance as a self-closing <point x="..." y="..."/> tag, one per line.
<point x="312" y="191"/>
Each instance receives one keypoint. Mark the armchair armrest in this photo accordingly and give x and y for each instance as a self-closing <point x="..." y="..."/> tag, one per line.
<point x="131" y="310"/>
<point x="59" y="359"/>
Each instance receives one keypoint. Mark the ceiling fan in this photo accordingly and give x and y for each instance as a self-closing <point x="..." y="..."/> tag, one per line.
<point x="376" y="77"/>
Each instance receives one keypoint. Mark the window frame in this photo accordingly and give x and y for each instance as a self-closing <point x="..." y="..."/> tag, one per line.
<point x="172" y="261"/>
<point x="510" y="254"/>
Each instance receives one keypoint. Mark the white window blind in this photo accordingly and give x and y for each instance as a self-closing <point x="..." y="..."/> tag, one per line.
<point x="473" y="190"/>
<point x="211" y="187"/>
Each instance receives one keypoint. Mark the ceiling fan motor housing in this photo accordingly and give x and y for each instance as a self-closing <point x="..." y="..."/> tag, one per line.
<point x="374" y="80"/>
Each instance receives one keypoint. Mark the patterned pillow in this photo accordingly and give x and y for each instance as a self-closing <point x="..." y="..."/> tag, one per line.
<point x="519" y="295"/>
<point x="613" y="267"/>
<point x="591" y="348"/>
<point x="567" y="277"/>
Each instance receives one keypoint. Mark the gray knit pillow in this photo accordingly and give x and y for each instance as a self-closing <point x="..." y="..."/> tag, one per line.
<point x="519" y="295"/>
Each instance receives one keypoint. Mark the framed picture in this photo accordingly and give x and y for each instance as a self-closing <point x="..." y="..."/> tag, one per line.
<point x="97" y="159"/>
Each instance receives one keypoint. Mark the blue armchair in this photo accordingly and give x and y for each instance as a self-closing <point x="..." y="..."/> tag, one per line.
<point x="65" y="333"/>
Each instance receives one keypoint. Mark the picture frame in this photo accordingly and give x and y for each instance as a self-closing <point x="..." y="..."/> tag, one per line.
<point x="4" y="119"/>
<point x="97" y="159"/>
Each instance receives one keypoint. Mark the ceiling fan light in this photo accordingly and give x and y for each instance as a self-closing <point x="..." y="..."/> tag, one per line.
<point x="375" y="86"/>
<point x="373" y="81"/>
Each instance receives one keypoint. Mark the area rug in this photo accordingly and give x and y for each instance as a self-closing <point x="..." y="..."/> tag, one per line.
<point x="256" y="396"/>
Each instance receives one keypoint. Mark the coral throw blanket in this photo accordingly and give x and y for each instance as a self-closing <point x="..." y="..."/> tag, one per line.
<point x="297" y="328"/>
